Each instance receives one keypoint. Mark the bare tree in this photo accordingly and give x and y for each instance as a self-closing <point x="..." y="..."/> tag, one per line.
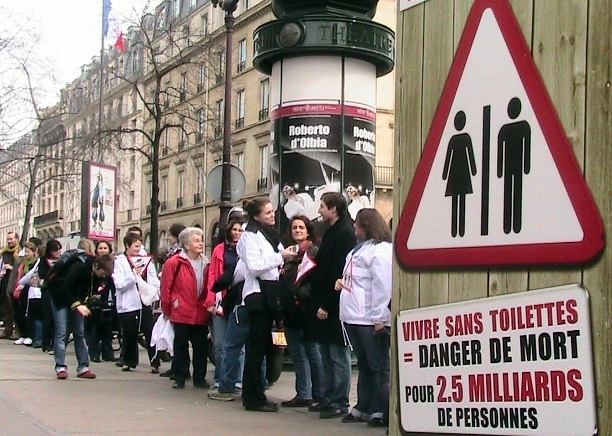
<point x="165" y="66"/>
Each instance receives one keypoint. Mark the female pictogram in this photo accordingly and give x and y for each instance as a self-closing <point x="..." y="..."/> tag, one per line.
<point x="459" y="166"/>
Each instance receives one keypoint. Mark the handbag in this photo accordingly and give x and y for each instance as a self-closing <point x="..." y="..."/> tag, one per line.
<point x="146" y="291"/>
<point x="278" y="296"/>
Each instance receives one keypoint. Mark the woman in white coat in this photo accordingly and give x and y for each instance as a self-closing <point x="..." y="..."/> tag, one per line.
<point x="365" y="312"/>
<point x="263" y="255"/>
<point x="134" y="317"/>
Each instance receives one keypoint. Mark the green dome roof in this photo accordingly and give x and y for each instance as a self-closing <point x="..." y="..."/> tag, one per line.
<point x="283" y="8"/>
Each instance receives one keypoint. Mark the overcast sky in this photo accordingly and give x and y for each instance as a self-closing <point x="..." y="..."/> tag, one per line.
<point x="71" y="29"/>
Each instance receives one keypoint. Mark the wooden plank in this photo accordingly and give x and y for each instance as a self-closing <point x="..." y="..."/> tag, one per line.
<point x="598" y="277"/>
<point x="510" y="280"/>
<point x="407" y="150"/>
<point x="464" y="285"/>
<point x="559" y="50"/>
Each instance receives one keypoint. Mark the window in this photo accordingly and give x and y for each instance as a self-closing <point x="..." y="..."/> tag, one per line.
<point x="201" y="125"/>
<point x="220" y="106"/>
<point x="240" y="160"/>
<point x="181" y="188"/>
<point x="240" y="108"/>
<point x="164" y="188"/>
<point x="182" y="141"/>
<point x="221" y="66"/>
<point x="192" y="4"/>
<point x="264" y="157"/>
<point x="199" y="178"/>
<point x="176" y="9"/>
<point x="132" y="166"/>
<point x="242" y="55"/>
<point x="205" y="24"/>
<point x="202" y="78"/>
<point x="264" y="105"/>
<point x="161" y="17"/>
<point x="183" y="90"/>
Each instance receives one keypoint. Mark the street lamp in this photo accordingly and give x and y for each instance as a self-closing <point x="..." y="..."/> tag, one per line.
<point x="229" y="6"/>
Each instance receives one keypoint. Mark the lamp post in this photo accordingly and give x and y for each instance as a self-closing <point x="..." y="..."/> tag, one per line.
<point x="229" y="6"/>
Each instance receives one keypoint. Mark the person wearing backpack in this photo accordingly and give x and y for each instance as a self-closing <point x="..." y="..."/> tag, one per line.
<point x="134" y="317"/>
<point x="81" y="273"/>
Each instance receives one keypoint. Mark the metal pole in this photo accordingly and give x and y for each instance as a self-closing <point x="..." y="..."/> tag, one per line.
<point x="226" y="194"/>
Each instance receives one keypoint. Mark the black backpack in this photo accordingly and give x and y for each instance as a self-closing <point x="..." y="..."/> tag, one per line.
<point x="57" y="273"/>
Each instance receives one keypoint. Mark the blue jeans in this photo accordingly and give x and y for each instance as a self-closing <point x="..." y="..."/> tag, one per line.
<point x="62" y="316"/>
<point x="373" y="362"/>
<point x="236" y="335"/>
<point x="307" y="365"/>
<point x="337" y="370"/>
<point x="217" y="330"/>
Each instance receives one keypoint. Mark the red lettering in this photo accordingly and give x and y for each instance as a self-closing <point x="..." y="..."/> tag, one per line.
<point x="557" y="385"/>
<point x="572" y="313"/>
<point x="541" y="386"/>
<point x="560" y="312"/>
<point x="575" y="394"/>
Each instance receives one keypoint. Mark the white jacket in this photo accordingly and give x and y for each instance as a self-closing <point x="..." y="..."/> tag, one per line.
<point x="367" y="275"/>
<point x="260" y="260"/>
<point x="34" y="292"/>
<point x="127" y="296"/>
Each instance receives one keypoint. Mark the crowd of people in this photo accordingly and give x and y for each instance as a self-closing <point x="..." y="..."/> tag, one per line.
<point x="328" y="294"/>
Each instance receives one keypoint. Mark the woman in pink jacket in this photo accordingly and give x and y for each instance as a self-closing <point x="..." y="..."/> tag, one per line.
<point x="184" y="300"/>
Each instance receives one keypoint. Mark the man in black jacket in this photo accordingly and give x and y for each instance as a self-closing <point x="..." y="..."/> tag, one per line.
<point x="68" y="302"/>
<point x="324" y="324"/>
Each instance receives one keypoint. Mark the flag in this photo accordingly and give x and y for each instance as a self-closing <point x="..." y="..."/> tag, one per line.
<point x="106" y="7"/>
<point x="120" y="43"/>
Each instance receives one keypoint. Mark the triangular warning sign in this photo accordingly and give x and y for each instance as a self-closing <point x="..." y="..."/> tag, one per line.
<point x="498" y="182"/>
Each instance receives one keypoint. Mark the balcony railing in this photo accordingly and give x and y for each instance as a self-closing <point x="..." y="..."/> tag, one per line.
<point x="164" y="151"/>
<point x="148" y="209"/>
<point x="218" y="131"/>
<point x="129" y="215"/>
<point x="47" y="218"/>
<point x="200" y="87"/>
<point x="197" y="198"/>
<point x="264" y="114"/>
<point x="262" y="184"/>
<point x="179" y="202"/>
<point x="383" y="175"/>
<point x="163" y="206"/>
<point x="241" y="66"/>
<point x="239" y="124"/>
<point x="181" y="145"/>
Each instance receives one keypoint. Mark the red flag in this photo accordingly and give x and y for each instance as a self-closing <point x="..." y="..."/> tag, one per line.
<point x="120" y="43"/>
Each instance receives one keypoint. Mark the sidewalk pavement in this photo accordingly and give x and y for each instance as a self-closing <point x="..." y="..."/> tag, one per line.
<point x="34" y="403"/>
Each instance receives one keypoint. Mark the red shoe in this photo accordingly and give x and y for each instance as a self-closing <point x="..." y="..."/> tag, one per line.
<point x="62" y="375"/>
<point x="86" y="374"/>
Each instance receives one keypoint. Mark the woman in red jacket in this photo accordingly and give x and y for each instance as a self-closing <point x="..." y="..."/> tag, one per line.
<point x="184" y="301"/>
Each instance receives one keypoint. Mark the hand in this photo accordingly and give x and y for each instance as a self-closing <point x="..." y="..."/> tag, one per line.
<point x="379" y="327"/>
<point x="8" y="267"/>
<point x="138" y="270"/>
<point x="339" y="285"/>
<point x="211" y="309"/>
<point x="289" y="253"/>
<point x="321" y="314"/>
<point x="83" y="310"/>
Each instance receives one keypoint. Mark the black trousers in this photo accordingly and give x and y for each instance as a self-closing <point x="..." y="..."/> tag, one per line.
<point x="258" y="345"/>
<point x="133" y="323"/>
<point x="183" y="335"/>
<point x="48" y="329"/>
<point x="20" y="306"/>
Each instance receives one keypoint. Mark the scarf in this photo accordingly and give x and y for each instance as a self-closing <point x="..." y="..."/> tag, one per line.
<point x="269" y="232"/>
<point x="27" y="264"/>
<point x="14" y="251"/>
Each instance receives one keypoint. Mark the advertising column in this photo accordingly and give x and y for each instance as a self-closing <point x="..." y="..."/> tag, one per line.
<point x="324" y="133"/>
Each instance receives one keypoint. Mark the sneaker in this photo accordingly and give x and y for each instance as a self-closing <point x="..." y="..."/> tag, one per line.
<point x="350" y="418"/>
<point x="86" y="374"/>
<point x="296" y="402"/>
<point x="331" y="412"/>
<point x="222" y="396"/>
<point x="27" y="341"/>
<point x="50" y="352"/>
<point x="36" y="345"/>
<point x="62" y="375"/>
<point x="19" y="341"/>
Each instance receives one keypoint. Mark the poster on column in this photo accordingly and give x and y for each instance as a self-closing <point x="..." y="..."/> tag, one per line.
<point x="310" y="155"/>
<point x="519" y="364"/>
<point x="359" y="154"/>
<point x="98" y="201"/>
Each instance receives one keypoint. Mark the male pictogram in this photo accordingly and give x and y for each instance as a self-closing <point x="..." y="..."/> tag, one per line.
<point x="459" y="166"/>
<point x="513" y="160"/>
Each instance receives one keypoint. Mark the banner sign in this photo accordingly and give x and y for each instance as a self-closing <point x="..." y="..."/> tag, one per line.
<point x="98" y="208"/>
<point x="518" y="364"/>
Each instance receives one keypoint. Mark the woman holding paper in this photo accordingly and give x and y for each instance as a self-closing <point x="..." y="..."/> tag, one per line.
<point x="134" y="317"/>
<point x="364" y="311"/>
<point x="307" y="364"/>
